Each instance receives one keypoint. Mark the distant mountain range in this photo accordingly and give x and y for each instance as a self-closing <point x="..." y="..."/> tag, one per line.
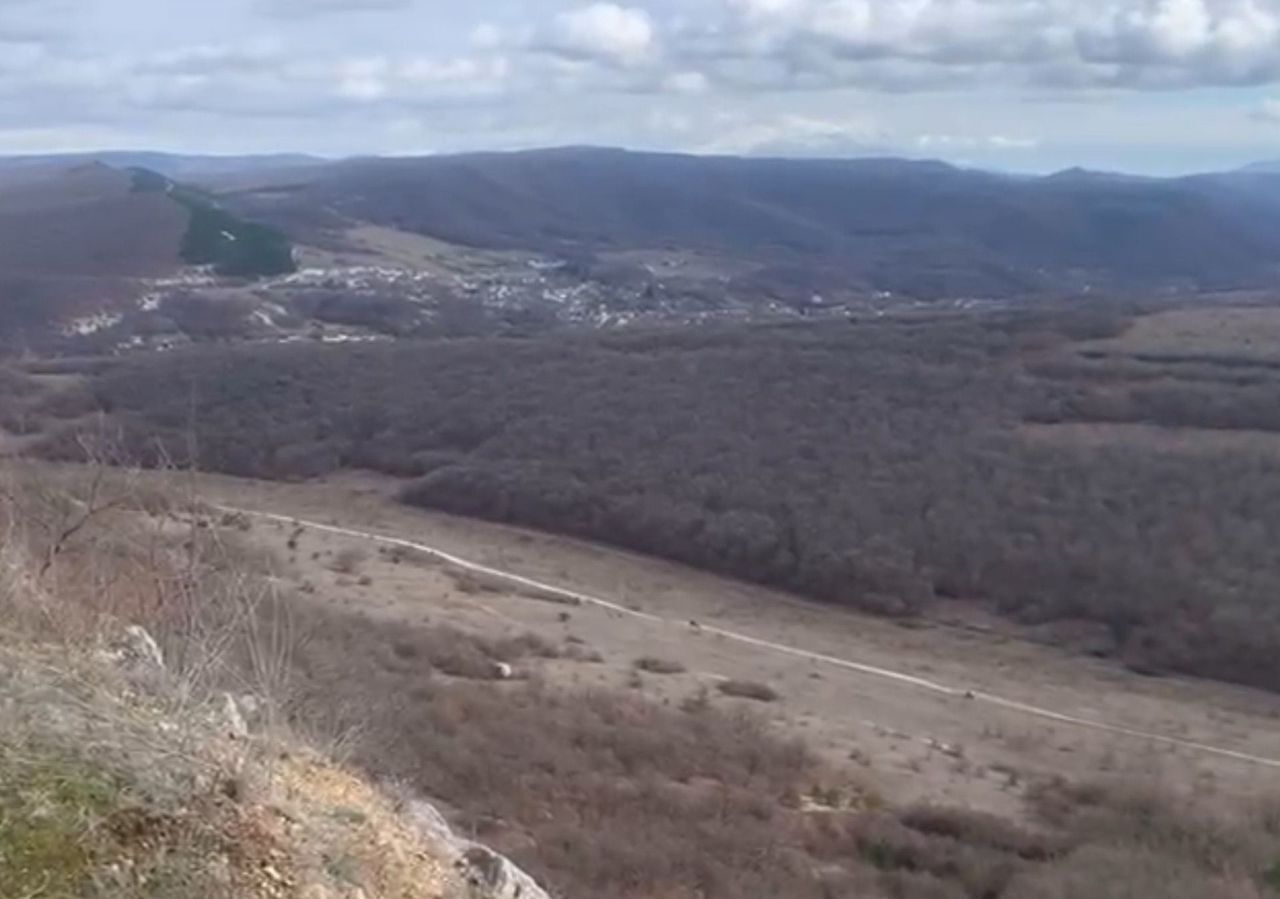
<point x="923" y="229"/>
<point x="81" y="238"/>
<point x="1263" y="168"/>
<point x="77" y="232"/>
<point x="172" y="165"/>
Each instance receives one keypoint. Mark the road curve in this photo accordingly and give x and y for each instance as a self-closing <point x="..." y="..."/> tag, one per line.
<point x="899" y="677"/>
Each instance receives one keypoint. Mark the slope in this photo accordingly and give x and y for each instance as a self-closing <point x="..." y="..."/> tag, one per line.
<point x="86" y="240"/>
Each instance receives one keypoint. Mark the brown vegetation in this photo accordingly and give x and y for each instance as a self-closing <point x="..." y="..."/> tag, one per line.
<point x="606" y="795"/>
<point x="603" y="795"/>
<point x="871" y="464"/>
<point x="127" y="771"/>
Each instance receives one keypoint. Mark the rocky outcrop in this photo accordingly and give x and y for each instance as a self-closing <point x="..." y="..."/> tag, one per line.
<point x="138" y="652"/>
<point x="488" y="875"/>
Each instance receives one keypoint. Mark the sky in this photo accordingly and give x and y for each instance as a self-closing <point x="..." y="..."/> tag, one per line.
<point x="1149" y="86"/>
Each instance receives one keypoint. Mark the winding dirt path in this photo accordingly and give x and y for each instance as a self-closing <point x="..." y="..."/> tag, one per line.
<point x="899" y="677"/>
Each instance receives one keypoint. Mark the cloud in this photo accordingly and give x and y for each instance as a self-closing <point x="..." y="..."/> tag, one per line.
<point x="208" y="59"/>
<point x="688" y="82"/>
<point x="605" y="31"/>
<point x="419" y="79"/>
<point x="792" y="134"/>
<point x="970" y="78"/>
<point x="31" y="21"/>
<point x="295" y="8"/>
<point x="1159" y="44"/>
<point x="944" y="143"/>
<point x="1267" y="111"/>
<point x="487" y="36"/>
<point x="1186" y="42"/>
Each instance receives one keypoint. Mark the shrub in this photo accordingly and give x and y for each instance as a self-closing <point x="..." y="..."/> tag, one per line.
<point x="1102" y="872"/>
<point x="746" y="689"/>
<point x="349" y="560"/>
<point x="660" y="666"/>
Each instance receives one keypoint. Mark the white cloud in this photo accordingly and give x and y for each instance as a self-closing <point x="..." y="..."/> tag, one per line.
<point x="792" y="134"/>
<point x="1138" y="43"/>
<point x="1188" y="41"/>
<point x="687" y="82"/>
<point x="968" y="78"/>
<point x="212" y="58"/>
<point x="487" y="36"/>
<point x="942" y="143"/>
<point x="294" y="8"/>
<point x="606" y="31"/>
<point x="364" y="79"/>
<point x="377" y="78"/>
<point x="1268" y="111"/>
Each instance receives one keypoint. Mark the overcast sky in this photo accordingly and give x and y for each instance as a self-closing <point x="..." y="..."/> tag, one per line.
<point x="1140" y="85"/>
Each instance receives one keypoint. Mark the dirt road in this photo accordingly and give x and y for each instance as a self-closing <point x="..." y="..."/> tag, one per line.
<point x="926" y="713"/>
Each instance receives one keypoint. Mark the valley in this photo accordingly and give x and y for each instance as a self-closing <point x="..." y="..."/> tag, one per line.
<point x="493" y="244"/>
<point x="694" y="561"/>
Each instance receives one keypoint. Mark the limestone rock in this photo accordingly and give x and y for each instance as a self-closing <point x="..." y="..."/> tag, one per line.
<point x="232" y="718"/>
<point x="141" y="649"/>
<point x="488" y="875"/>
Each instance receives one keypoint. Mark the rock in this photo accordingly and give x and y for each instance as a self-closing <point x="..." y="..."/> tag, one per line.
<point x="488" y="875"/>
<point x="427" y="818"/>
<point x="947" y="749"/>
<point x="141" y="649"/>
<point x="492" y="876"/>
<point x="137" y="654"/>
<point x="233" y="720"/>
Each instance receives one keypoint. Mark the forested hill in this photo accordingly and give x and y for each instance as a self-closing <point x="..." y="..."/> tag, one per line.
<point x="919" y="228"/>
<point x="82" y="240"/>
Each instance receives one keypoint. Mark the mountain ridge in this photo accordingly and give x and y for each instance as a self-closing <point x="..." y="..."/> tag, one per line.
<point x="920" y="228"/>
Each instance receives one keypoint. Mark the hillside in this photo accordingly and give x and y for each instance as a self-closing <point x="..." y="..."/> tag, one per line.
<point x="917" y="228"/>
<point x="180" y="759"/>
<point x="85" y="221"/>
<point x="84" y="241"/>
<point x="884" y="464"/>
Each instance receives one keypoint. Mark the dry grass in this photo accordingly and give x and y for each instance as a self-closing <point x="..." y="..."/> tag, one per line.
<point x="112" y="793"/>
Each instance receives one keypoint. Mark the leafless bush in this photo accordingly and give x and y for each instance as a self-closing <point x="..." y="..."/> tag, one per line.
<point x="978" y="828"/>
<point x="473" y="582"/>
<point x="464" y="655"/>
<point x="654" y="665"/>
<point x="621" y="797"/>
<point x="1101" y="872"/>
<point x="349" y="560"/>
<point x="747" y="689"/>
<point x="1150" y="816"/>
<point x="87" y="551"/>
